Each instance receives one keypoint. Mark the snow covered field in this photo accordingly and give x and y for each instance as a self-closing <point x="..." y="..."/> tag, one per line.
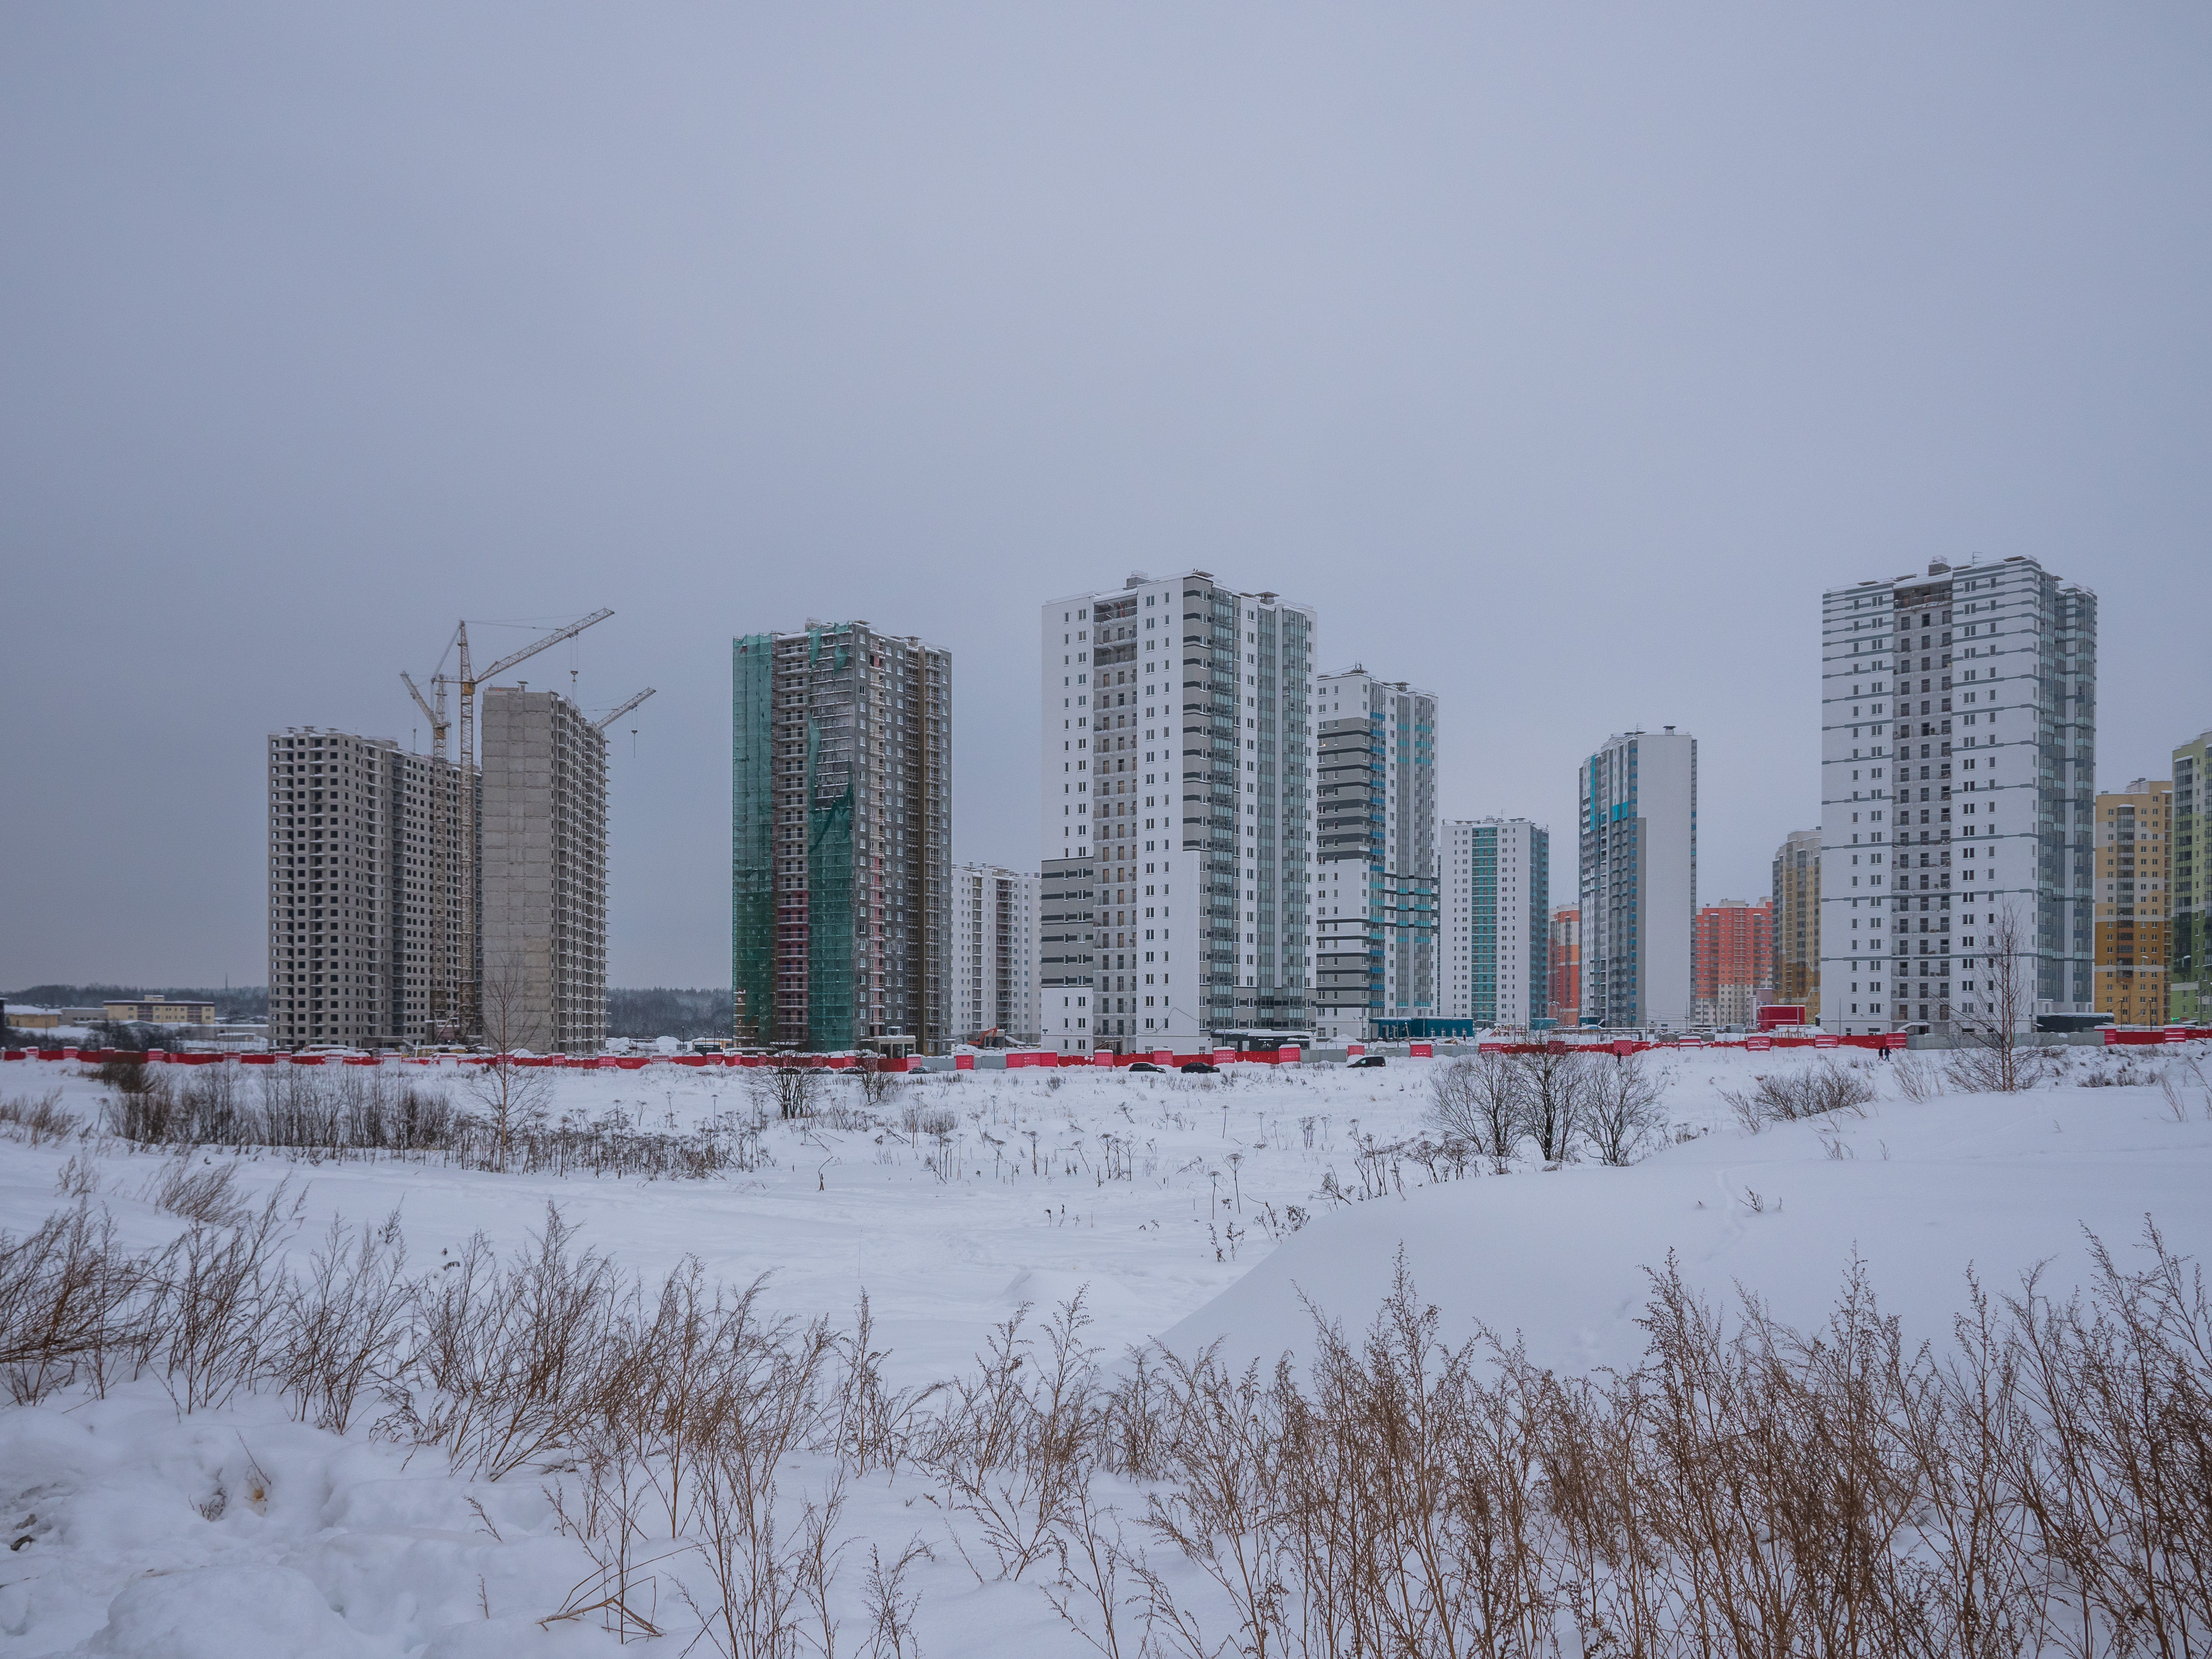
<point x="1189" y="1210"/>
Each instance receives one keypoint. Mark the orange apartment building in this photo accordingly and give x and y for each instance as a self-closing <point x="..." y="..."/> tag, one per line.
<point x="1732" y="962"/>
<point x="1564" y="966"/>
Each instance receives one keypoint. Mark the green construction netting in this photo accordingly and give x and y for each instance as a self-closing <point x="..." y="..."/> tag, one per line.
<point x="752" y="826"/>
<point x="829" y="764"/>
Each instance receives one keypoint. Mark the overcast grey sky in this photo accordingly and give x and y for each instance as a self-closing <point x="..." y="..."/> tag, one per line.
<point x="1560" y="355"/>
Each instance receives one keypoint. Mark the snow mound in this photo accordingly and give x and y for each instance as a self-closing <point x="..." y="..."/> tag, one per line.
<point x="1921" y="1193"/>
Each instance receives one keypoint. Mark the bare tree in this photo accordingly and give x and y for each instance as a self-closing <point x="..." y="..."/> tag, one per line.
<point x="1995" y="1057"/>
<point x="513" y="1096"/>
<point x="1621" y="1111"/>
<point x="1554" y="1085"/>
<point x="1479" y="1102"/>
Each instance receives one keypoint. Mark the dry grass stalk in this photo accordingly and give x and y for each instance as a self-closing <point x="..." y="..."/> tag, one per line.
<point x="1010" y="1446"/>
<point x="34" y="1121"/>
<point x="1747" y="1489"/>
<point x="71" y="1302"/>
<point x="511" y="1362"/>
<point x="344" y="1323"/>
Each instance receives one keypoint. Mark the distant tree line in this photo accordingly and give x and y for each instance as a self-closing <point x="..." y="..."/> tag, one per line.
<point x="231" y="1002"/>
<point x="664" y="1013"/>
<point x="659" y="1012"/>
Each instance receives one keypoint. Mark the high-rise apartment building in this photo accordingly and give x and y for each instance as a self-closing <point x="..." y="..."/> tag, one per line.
<point x="1496" y="956"/>
<point x="1797" y="900"/>
<point x="1958" y="785"/>
<point x="1732" y="962"/>
<point x="543" y="865"/>
<point x="1178" y="804"/>
<point x="2189" y="998"/>
<point x="995" y="959"/>
<point x="1564" y="999"/>
<point x="2133" y="865"/>
<point x="364" y="940"/>
<point x="1376" y="878"/>
<point x="1639" y="879"/>
<point x="842" y="814"/>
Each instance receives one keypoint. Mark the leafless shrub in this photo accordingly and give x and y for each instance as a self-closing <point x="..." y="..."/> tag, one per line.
<point x="787" y="1092"/>
<point x="34" y="1121"/>
<point x="2123" y="1076"/>
<point x="1788" y="1097"/>
<point x="846" y="1114"/>
<point x="127" y="1076"/>
<point x="313" y="1108"/>
<point x="935" y="1121"/>
<point x="1917" y="1080"/>
<point x="878" y="1085"/>
<point x="141" y="1106"/>
<point x="78" y="1178"/>
<point x="1621" y="1115"/>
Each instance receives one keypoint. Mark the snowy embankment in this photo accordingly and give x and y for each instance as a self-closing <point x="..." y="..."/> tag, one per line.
<point x="1189" y="1210"/>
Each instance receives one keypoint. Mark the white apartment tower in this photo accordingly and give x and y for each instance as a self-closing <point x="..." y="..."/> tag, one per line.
<point x="993" y="991"/>
<point x="364" y="947"/>
<point x="1957" y="789"/>
<point x="1374" y="889"/>
<point x="1177" y="829"/>
<point x="1497" y="922"/>
<point x="1639" y="879"/>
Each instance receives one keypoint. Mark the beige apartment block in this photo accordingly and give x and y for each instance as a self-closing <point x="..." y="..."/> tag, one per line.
<point x="543" y="865"/>
<point x="2133" y="871"/>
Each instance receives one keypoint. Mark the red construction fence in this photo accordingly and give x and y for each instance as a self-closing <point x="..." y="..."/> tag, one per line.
<point x="1022" y="1059"/>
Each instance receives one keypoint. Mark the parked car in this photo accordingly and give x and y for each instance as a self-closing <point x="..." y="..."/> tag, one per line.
<point x="1145" y="1066"/>
<point x="1197" y="1065"/>
<point x="1358" y="1060"/>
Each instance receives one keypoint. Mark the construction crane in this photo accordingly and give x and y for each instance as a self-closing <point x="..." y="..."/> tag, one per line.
<point x="434" y="866"/>
<point x="465" y="760"/>
<point x="624" y="709"/>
